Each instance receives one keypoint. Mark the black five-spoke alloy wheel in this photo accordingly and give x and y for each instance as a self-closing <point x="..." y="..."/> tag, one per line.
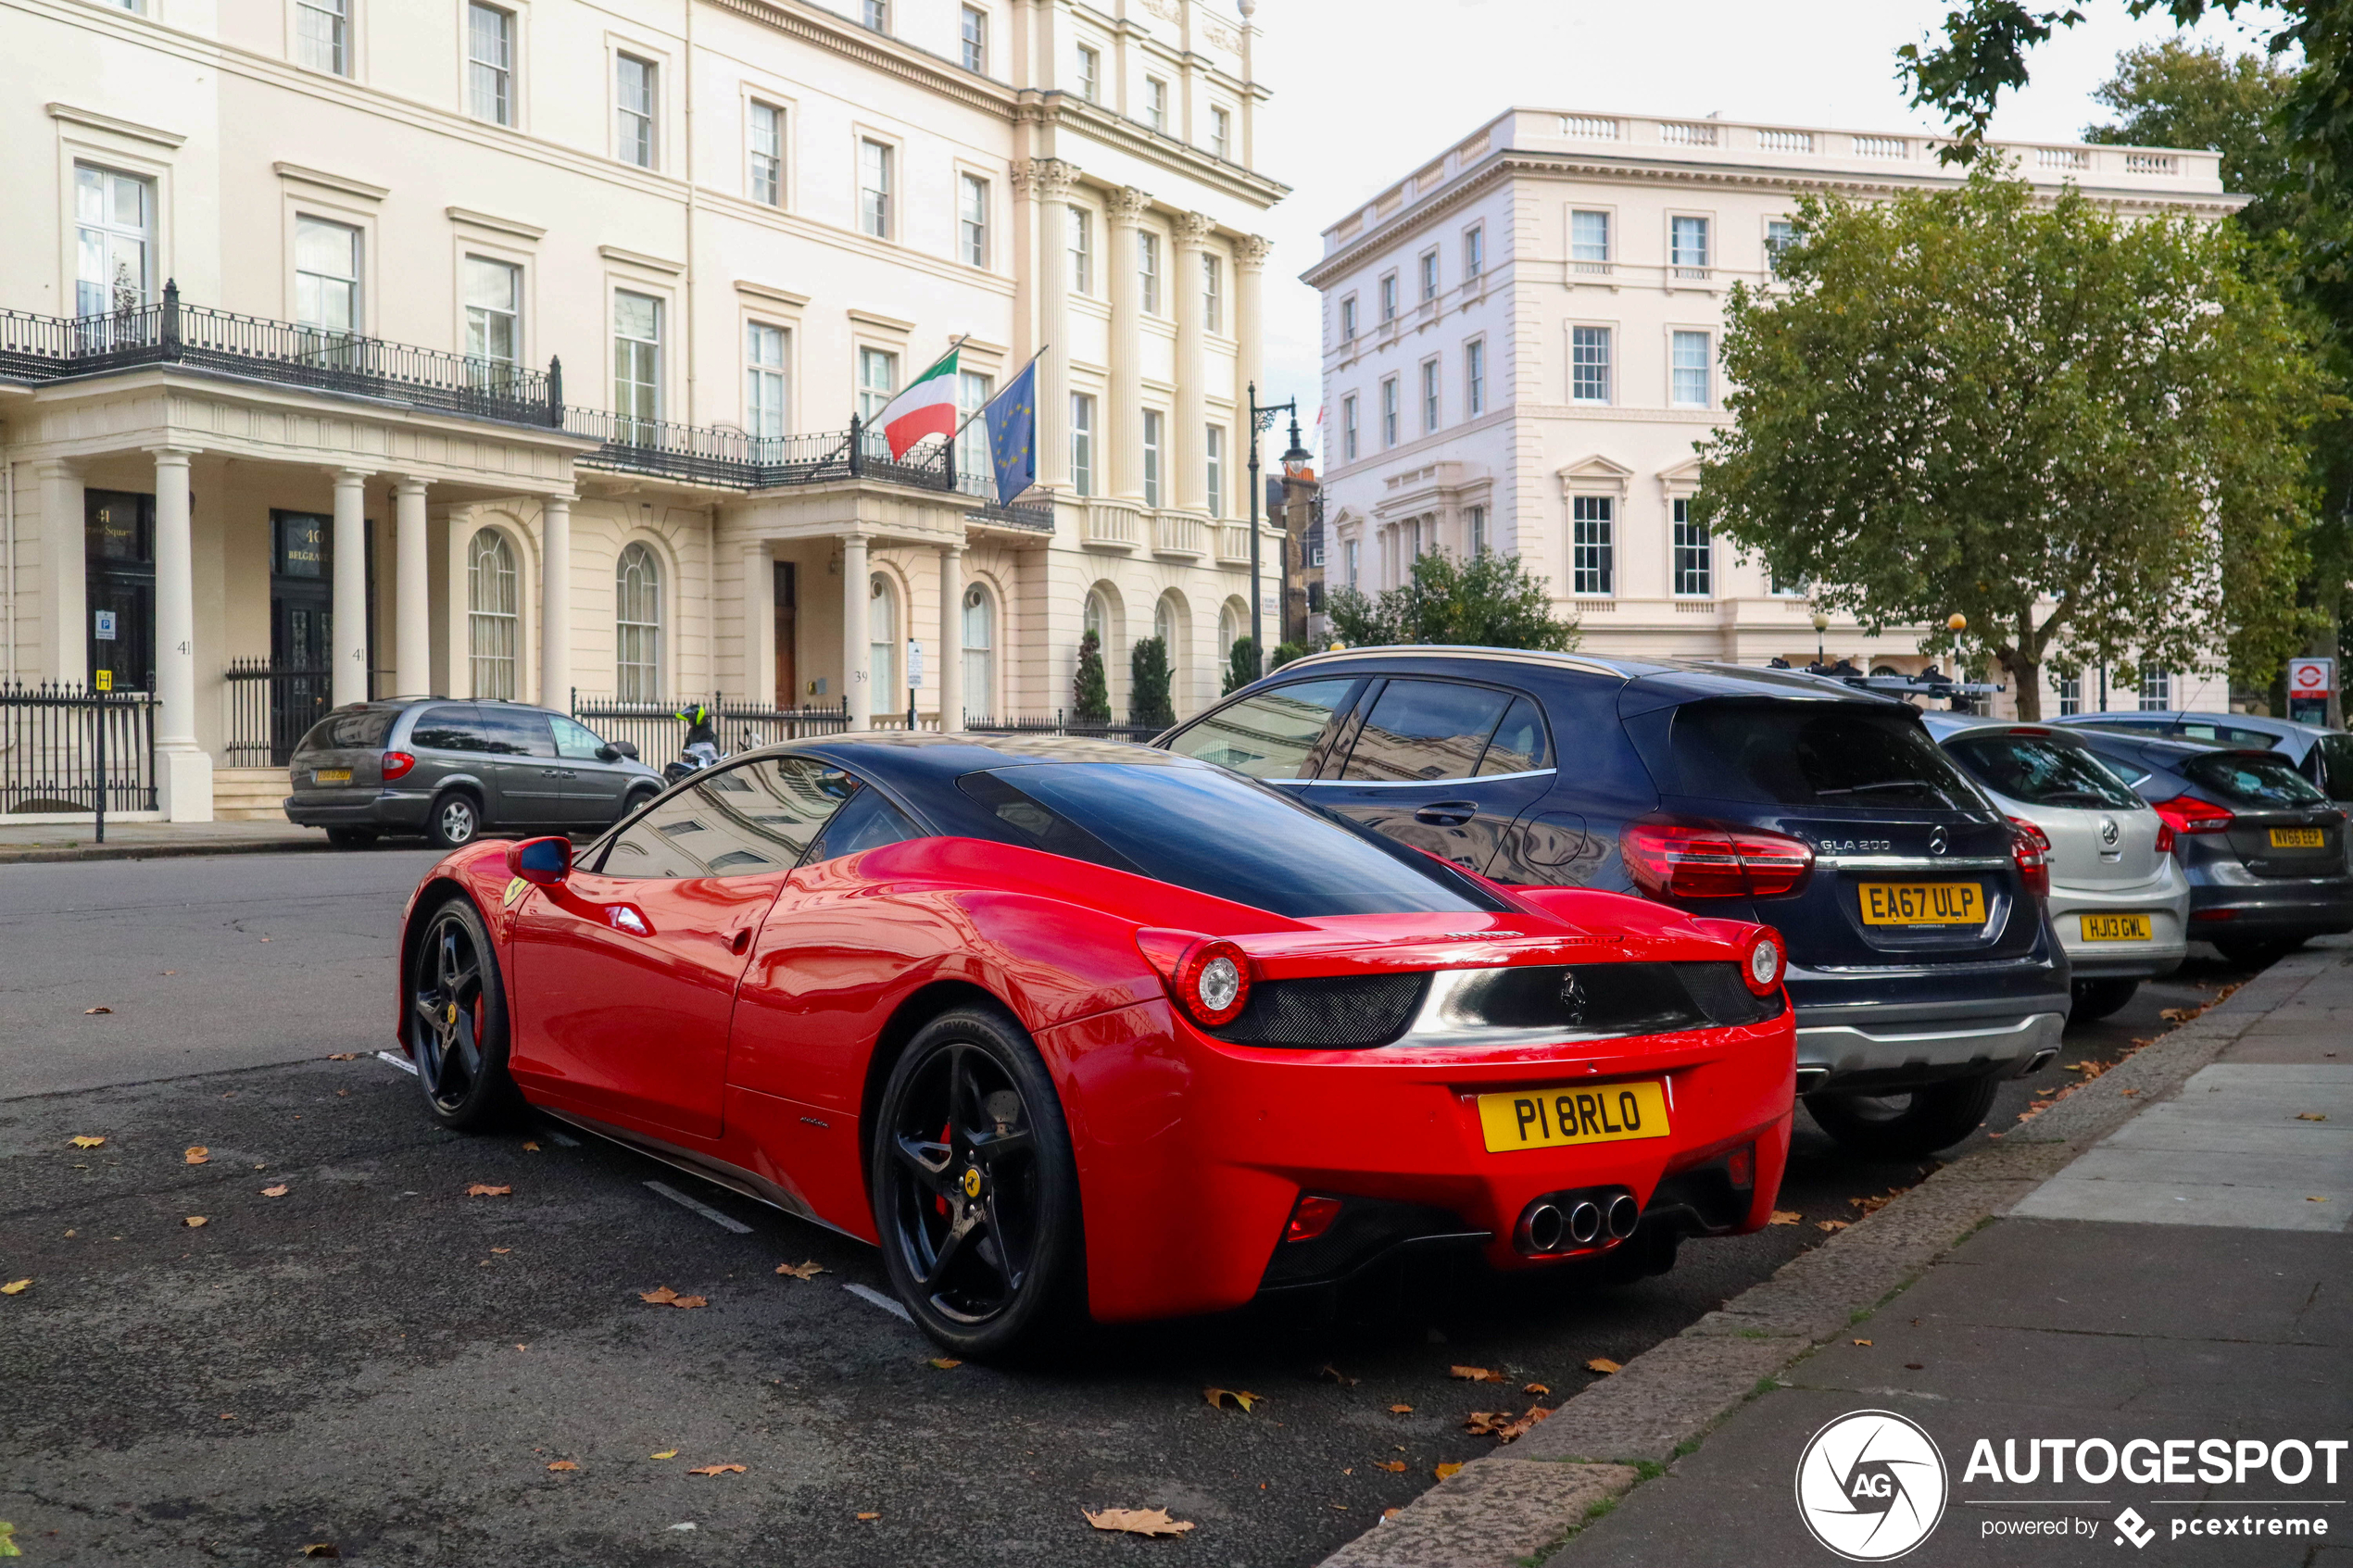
<point x="976" y="1194"/>
<point x="457" y="1023"/>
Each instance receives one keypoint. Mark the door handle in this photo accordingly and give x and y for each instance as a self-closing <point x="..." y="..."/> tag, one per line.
<point x="741" y="942"/>
<point x="1446" y="813"/>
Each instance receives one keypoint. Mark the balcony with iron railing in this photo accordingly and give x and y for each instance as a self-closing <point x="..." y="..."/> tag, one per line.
<point x="42" y="350"/>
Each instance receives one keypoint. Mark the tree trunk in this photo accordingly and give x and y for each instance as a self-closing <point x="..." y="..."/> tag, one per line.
<point x="2026" y="681"/>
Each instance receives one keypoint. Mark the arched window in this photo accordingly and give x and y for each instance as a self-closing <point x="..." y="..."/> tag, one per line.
<point x="1164" y="626"/>
<point x="1229" y="632"/>
<point x="882" y="632"/>
<point x="493" y="620"/>
<point x="1099" y="620"/>
<point x="637" y="626"/>
<point x="980" y="652"/>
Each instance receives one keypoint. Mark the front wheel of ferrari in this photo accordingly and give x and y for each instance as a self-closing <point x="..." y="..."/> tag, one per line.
<point x="975" y="1192"/>
<point x="457" y="1021"/>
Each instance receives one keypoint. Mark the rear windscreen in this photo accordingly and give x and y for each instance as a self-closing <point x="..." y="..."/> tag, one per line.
<point x="1813" y="754"/>
<point x="1215" y="834"/>
<point x="363" y="731"/>
<point x="2042" y="771"/>
<point x="2251" y="781"/>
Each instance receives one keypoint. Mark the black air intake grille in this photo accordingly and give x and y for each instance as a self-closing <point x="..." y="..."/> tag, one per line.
<point x="1611" y="998"/>
<point x="1336" y="1012"/>
<point x="1723" y="994"/>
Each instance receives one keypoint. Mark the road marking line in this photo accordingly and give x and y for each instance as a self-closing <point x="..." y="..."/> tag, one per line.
<point x="400" y="1061"/>
<point x="555" y="1136"/>
<point x="868" y="1293"/>
<point x="725" y="1222"/>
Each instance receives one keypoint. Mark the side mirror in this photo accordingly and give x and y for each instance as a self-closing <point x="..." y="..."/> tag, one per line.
<point x="545" y="862"/>
<point x="614" y="750"/>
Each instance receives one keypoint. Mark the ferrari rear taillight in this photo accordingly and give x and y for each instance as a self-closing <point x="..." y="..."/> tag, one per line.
<point x="1714" y="861"/>
<point x="1766" y="961"/>
<point x="1213" y="983"/>
<point x="2187" y="814"/>
<point x="396" y="765"/>
<point x="1311" y="1217"/>
<point x="2031" y="848"/>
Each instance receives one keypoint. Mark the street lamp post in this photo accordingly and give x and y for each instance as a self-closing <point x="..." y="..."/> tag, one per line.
<point x="1262" y="419"/>
<point x="1821" y="624"/>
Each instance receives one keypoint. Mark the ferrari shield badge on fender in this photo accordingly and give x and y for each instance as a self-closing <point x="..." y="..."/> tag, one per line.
<point x="516" y="888"/>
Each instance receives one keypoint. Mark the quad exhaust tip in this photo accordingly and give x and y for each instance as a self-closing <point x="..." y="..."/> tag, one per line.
<point x="1546" y="1227"/>
<point x="1585" y="1222"/>
<point x="1623" y="1215"/>
<point x="1574" y="1222"/>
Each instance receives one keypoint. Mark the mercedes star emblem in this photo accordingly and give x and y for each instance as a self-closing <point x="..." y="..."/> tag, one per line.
<point x="1936" y="841"/>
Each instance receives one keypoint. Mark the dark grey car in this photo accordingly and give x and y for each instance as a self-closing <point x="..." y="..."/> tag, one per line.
<point x="450" y="768"/>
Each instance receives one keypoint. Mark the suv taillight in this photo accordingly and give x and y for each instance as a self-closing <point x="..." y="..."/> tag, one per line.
<point x="2187" y="814"/>
<point x="396" y="765"/>
<point x="1714" y="861"/>
<point x="2031" y="848"/>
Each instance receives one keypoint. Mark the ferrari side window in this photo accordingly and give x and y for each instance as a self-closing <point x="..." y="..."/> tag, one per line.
<point x="869" y="822"/>
<point x="1270" y="735"/>
<point x="746" y="820"/>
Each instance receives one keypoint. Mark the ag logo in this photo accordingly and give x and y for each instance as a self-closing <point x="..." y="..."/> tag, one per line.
<point x="1870" y="1486"/>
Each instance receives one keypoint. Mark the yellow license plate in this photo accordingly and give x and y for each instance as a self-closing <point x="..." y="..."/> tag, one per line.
<point x="1556" y="1117"/>
<point x="2116" y="928"/>
<point x="1924" y="903"/>
<point x="332" y="775"/>
<point x="2297" y="838"/>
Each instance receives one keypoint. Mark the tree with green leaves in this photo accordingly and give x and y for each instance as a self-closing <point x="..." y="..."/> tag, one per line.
<point x="1489" y="601"/>
<point x="1089" y="693"/>
<point x="2080" y="431"/>
<point x="2171" y="94"/>
<point x="1241" y="665"/>
<point x="1148" y="696"/>
<point x="1284" y="653"/>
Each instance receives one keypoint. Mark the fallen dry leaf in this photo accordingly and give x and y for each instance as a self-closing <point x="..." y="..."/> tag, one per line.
<point x="502" y="1250"/>
<point x="1535" y="1389"/>
<point x="15" y="1288"/>
<point x="801" y="1271"/>
<point x="278" y="1191"/>
<point x="564" y="1464"/>
<point x="88" y="1011"/>
<point x="662" y="1295"/>
<point x="1519" y="1428"/>
<point x="1327" y="1370"/>
<point x="1444" y="1471"/>
<point x="484" y="1189"/>
<point x="1604" y="1365"/>
<point x="1401" y="1410"/>
<point x="946" y="1363"/>
<point x="1137" y="1521"/>
<point x="1862" y="1342"/>
<point x="865" y="1516"/>
<point x="86" y="1141"/>
<point x="193" y="1220"/>
<point x="1785" y="1217"/>
<point x="322" y="1549"/>
<point x="1391" y="1513"/>
<point x="1394" y="1466"/>
<point x="530" y="1146"/>
<point x="1829" y="1225"/>
<point x="339" y="1056"/>
<point x="717" y="1469"/>
<point x="2316" y="1200"/>
<point x="1475" y="1374"/>
<point x="666" y="1453"/>
<point x="1242" y="1398"/>
<point x="1485" y="1423"/>
<point x="2301" y="1116"/>
<point x="197" y="1154"/>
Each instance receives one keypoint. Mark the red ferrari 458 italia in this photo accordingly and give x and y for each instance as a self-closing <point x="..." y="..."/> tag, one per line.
<point x="1073" y="1027"/>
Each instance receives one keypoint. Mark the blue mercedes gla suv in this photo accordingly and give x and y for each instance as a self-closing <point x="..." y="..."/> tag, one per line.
<point x="1921" y="964"/>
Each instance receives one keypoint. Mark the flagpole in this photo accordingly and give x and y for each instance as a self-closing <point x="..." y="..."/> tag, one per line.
<point x="1009" y="382"/>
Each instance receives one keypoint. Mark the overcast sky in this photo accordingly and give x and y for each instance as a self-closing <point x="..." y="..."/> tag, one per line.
<point x="1366" y="91"/>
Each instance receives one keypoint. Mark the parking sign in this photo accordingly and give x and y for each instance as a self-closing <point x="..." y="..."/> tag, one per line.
<point x="106" y="626"/>
<point x="2314" y="678"/>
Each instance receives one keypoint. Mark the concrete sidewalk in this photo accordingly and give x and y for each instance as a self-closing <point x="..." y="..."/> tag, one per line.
<point x="2161" y="1257"/>
<point x="40" y="841"/>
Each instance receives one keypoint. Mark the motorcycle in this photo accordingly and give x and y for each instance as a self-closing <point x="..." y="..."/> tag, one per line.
<point x="701" y="749"/>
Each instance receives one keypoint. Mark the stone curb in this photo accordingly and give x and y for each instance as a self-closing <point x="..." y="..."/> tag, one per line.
<point x="1518" y="1505"/>
<point x="163" y="851"/>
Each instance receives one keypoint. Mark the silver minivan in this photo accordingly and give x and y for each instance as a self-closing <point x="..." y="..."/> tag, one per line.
<point x="2119" y="899"/>
<point x="450" y="769"/>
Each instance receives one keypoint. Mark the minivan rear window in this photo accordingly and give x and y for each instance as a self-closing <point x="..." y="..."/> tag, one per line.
<point x="2251" y="781"/>
<point x="2042" y="771"/>
<point x="362" y="731"/>
<point x="1787" y="753"/>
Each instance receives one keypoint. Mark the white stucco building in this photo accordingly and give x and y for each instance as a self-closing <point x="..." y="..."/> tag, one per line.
<point x="735" y="224"/>
<point x="1520" y="350"/>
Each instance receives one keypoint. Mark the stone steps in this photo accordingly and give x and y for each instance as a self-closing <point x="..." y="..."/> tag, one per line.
<point x="249" y="794"/>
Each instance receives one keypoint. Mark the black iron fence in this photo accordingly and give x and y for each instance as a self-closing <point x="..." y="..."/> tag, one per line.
<point x="69" y="748"/>
<point x="1059" y="723"/>
<point x="659" y="734"/>
<point x="270" y="708"/>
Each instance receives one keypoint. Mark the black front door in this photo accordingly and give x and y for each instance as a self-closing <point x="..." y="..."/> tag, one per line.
<point x="302" y="592"/>
<point x="119" y="567"/>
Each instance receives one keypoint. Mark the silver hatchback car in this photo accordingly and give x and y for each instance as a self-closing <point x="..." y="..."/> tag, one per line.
<point x="2118" y="899"/>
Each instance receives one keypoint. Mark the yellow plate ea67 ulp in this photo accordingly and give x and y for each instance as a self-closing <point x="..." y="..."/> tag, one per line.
<point x="2115" y="928"/>
<point x="2297" y="838"/>
<point x="1553" y="1118"/>
<point x="1922" y="903"/>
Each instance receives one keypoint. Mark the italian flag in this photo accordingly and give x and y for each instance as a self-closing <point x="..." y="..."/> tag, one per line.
<point x="926" y="407"/>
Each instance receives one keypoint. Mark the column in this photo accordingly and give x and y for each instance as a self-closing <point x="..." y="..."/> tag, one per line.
<point x="1195" y="233"/>
<point x="555" y="603"/>
<point x="184" y="773"/>
<point x="952" y="637"/>
<point x="59" y="586"/>
<point x="760" y="626"/>
<point x="1250" y="270"/>
<point x="1122" y="458"/>
<point x="412" y="591"/>
<point x="855" y="681"/>
<point x="348" y="648"/>
<point x="1046" y="183"/>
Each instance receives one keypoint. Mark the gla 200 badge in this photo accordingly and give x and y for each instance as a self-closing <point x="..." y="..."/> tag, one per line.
<point x="1870" y="1486"/>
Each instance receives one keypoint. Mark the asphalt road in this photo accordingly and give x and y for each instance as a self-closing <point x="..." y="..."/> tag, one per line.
<point x="376" y="1360"/>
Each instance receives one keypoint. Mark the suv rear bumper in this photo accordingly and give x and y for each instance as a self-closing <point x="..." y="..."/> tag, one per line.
<point x="1887" y="1046"/>
<point x="395" y="810"/>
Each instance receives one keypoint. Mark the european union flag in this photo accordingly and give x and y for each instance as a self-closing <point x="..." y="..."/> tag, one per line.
<point x="1011" y="418"/>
